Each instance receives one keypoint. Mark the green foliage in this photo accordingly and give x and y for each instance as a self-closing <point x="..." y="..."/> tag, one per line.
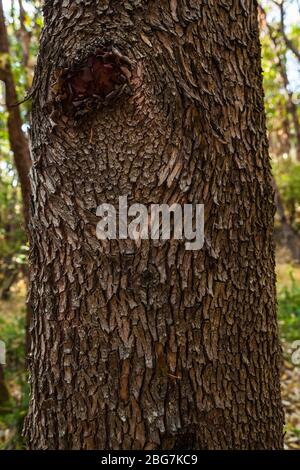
<point x="290" y="184"/>
<point x="287" y="176"/>
<point x="13" y="332"/>
<point x="281" y="80"/>
<point x="289" y="310"/>
<point x="275" y="95"/>
<point x="12" y="415"/>
<point x="13" y="412"/>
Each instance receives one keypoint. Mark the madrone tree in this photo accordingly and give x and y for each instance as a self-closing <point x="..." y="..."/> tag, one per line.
<point x="147" y="345"/>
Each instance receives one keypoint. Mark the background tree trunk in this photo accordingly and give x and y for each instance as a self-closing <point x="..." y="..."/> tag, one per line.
<point x="18" y="144"/>
<point x="4" y="395"/>
<point x="17" y="139"/>
<point x="150" y="346"/>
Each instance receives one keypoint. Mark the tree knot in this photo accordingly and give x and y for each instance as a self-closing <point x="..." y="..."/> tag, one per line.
<point x="92" y="83"/>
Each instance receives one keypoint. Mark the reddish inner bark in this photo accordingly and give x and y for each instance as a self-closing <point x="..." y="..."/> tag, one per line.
<point x="98" y="76"/>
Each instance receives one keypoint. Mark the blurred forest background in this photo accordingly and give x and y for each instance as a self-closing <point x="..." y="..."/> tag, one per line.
<point x="20" y="28"/>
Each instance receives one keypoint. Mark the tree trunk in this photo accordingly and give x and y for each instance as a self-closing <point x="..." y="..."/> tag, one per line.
<point x="147" y="345"/>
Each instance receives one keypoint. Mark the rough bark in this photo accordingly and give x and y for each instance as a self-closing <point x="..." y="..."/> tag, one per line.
<point x="150" y="346"/>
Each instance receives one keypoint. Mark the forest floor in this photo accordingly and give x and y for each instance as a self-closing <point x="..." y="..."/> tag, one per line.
<point x="288" y="292"/>
<point x="12" y="327"/>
